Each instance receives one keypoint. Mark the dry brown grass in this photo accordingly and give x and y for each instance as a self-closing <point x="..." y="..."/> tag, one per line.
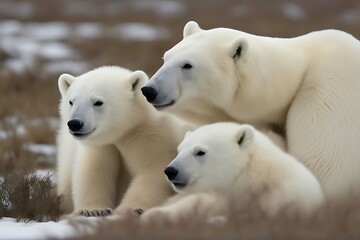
<point x="24" y="195"/>
<point x="28" y="96"/>
<point x="28" y="197"/>
<point x="332" y="221"/>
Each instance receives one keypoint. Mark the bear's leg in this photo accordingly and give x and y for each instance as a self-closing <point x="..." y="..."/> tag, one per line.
<point x="95" y="180"/>
<point x="66" y="154"/>
<point x="203" y="205"/>
<point x="145" y="191"/>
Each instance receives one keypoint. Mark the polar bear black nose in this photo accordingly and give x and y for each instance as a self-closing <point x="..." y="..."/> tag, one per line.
<point x="150" y="93"/>
<point x="171" y="173"/>
<point x="75" y="125"/>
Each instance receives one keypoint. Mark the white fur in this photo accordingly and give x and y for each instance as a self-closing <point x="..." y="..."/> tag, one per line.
<point x="127" y="142"/>
<point x="308" y="86"/>
<point x="240" y="161"/>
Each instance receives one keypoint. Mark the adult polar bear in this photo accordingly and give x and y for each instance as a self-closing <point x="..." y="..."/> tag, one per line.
<point x="309" y="86"/>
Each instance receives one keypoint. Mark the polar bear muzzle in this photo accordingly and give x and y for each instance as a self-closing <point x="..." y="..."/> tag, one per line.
<point x="76" y="128"/>
<point x="150" y="93"/>
<point x="171" y="173"/>
<point x="175" y="177"/>
<point x="75" y="125"/>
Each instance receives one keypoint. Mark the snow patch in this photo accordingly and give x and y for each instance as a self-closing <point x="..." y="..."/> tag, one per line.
<point x="27" y="45"/>
<point x="56" y="50"/>
<point x="293" y="11"/>
<point x="11" y="229"/>
<point x="15" y="65"/>
<point x="44" y="149"/>
<point x="50" y="31"/>
<point x="20" y="130"/>
<point x="68" y="66"/>
<point x="170" y="8"/>
<point x="140" y="32"/>
<point x="88" y="30"/>
<point x="43" y="173"/>
<point x="163" y="7"/>
<point x="351" y="16"/>
<point x="22" y="52"/>
<point x="10" y="27"/>
<point x="3" y="135"/>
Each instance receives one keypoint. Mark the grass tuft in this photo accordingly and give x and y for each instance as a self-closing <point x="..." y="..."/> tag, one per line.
<point x="23" y="194"/>
<point x="28" y="197"/>
<point x="339" y="220"/>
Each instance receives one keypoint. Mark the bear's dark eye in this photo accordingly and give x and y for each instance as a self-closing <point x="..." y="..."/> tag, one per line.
<point x="98" y="103"/>
<point x="71" y="103"/>
<point x="187" y="66"/>
<point x="199" y="153"/>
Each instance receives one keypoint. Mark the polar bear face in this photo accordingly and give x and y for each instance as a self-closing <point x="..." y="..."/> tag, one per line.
<point x="211" y="157"/>
<point x="97" y="106"/>
<point x="202" y="64"/>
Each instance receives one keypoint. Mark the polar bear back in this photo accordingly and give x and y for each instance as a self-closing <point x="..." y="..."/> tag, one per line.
<point x="322" y="122"/>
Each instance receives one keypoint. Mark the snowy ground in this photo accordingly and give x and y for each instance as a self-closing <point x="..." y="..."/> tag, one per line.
<point x="10" y="229"/>
<point x="26" y="44"/>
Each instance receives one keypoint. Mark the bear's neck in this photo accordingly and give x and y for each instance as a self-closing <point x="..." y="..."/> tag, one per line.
<point x="264" y="92"/>
<point x="200" y="113"/>
<point x="265" y="169"/>
<point x="143" y="129"/>
<point x="158" y="134"/>
<point x="142" y="118"/>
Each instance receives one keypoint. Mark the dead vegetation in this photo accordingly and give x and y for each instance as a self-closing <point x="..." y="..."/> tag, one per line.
<point x="23" y="194"/>
<point x="28" y="197"/>
<point x="332" y="221"/>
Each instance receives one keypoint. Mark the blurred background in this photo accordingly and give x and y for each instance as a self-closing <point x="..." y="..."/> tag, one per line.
<point x="50" y="37"/>
<point x="40" y="39"/>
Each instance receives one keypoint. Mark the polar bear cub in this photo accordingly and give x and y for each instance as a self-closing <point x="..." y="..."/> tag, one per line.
<point x="224" y="159"/>
<point x="113" y="145"/>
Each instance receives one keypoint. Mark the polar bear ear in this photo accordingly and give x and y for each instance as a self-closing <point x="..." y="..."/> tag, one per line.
<point x="64" y="82"/>
<point x="239" y="48"/>
<point x="191" y="28"/>
<point x="138" y="80"/>
<point x="245" y="135"/>
<point x="187" y="134"/>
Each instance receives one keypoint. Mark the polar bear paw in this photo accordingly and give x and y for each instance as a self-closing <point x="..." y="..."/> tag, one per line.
<point x="138" y="211"/>
<point x="99" y="212"/>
